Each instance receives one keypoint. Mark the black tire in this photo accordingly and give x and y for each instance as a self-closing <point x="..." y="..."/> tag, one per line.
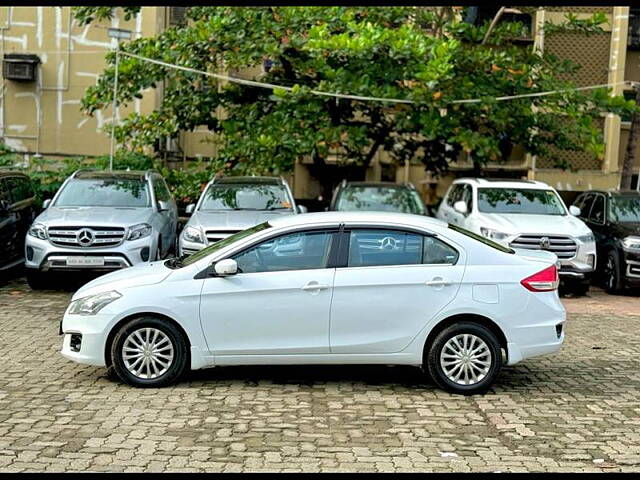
<point x="434" y="351"/>
<point x="612" y="276"/>
<point x="37" y="280"/>
<point x="174" y="370"/>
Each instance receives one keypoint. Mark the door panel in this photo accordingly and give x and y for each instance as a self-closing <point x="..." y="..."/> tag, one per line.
<point x="380" y="309"/>
<point x="278" y="304"/>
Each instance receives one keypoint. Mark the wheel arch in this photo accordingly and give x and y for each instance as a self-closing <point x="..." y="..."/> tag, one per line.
<point x="159" y="316"/>
<point x="465" y="317"/>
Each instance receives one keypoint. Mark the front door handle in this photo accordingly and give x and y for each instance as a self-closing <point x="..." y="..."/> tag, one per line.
<point x="314" y="286"/>
<point x="437" y="282"/>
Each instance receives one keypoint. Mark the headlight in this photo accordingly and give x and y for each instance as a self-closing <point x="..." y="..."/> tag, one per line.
<point x="93" y="303"/>
<point x="493" y="234"/>
<point x="193" y="234"/>
<point x="38" y="230"/>
<point x="631" y="243"/>
<point x="586" y="238"/>
<point x="139" y="231"/>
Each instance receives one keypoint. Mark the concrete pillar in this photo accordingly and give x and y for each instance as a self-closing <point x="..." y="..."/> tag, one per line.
<point x="617" y="59"/>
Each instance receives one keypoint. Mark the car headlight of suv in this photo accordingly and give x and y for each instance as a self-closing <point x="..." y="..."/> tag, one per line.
<point x="139" y="231"/>
<point x="587" y="238"/>
<point x="193" y="234"/>
<point x="493" y="234"/>
<point x="631" y="243"/>
<point x="38" y="230"/>
<point x="93" y="303"/>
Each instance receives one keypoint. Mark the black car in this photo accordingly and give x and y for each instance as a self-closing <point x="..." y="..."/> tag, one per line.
<point x="614" y="218"/>
<point x="377" y="197"/>
<point x="17" y="211"/>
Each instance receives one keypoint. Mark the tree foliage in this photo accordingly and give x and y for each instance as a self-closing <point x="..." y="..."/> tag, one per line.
<point x="425" y="55"/>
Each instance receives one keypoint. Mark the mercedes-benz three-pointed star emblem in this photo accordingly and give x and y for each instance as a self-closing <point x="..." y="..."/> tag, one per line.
<point x="85" y="237"/>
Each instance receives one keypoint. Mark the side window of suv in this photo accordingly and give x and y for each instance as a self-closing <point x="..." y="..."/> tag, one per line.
<point x="467" y="196"/>
<point x="454" y="194"/>
<point x="597" y="211"/>
<point x="161" y="190"/>
<point x="21" y="189"/>
<point x="5" y="198"/>
<point x="586" y="204"/>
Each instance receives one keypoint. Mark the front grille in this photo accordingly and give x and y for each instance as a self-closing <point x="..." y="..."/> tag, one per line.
<point x="215" y="235"/>
<point x="102" y="236"/>
<point x="564" y="247"/>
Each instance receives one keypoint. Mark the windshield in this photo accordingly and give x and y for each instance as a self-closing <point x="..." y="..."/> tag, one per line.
<point x="246" y="197"/>
<point x="519" y="200"/>
<point x="380" y="199"/>
<point x="220" y="244"/>
<point x="625" y="209"/>
<point x="481" y="239"/>
<point x="109" y="192"/>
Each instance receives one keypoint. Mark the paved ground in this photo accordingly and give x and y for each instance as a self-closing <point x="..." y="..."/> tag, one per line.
<point x="574" y="411"/>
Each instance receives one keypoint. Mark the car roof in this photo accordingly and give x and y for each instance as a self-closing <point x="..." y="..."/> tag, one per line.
<point x="358" y="217"/>
<point x="115" y="174"/>
<point x="504" y="183"/>
<point x="12" y="173"/>
<point x="615" y="193"/>
<point x="249" y="180"/>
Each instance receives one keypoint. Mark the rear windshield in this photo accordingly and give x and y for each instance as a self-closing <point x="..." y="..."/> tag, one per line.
<point x="519" y="200"/>
<point x="111" y="192"/>
<point x="480" y="238"/>
<point x="380" y="199"/>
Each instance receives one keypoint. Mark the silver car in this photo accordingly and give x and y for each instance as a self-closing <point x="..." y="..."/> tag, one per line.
<point x="102" y="221"/>
<point x="231" y="204"/>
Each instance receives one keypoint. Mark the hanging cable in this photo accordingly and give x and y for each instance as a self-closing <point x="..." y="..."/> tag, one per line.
<point x="271" y="86"/>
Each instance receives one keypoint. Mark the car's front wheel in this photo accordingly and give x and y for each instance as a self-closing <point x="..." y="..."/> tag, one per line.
<point x="149" y="352"/>
<point x="612" y="277"/>
<point x="464" y="358"/>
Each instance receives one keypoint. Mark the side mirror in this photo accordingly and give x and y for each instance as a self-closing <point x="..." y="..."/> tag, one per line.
<point x="225" y="267"/>
<point x="46" y="203"/>
<point x="302" y="209"/>
<point x="190" y="208"/>
<point x="163" y="206"/>
<point x="575" y="211"/>
<point x="460" y="207"/>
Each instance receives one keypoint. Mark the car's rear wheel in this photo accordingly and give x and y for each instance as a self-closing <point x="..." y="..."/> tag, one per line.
<point x="149" y="352"/>
<point x="612" y="277"/>
<point x="36" y="279"/>
<point x="464" y="358"/>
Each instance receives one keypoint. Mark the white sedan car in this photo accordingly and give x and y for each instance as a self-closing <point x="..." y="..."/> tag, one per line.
<point x="358" y="288"/>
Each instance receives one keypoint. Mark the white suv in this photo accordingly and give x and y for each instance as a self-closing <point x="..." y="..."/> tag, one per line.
<point x="524" y="214"/>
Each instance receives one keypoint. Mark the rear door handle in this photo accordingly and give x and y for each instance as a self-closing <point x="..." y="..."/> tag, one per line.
<point x="314" y="286"/>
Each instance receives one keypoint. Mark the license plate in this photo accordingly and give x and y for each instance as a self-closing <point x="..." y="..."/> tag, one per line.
<point x="85" y="261"/>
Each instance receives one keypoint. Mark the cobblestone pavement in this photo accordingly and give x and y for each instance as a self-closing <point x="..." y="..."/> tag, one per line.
<point x="577" y="410"/>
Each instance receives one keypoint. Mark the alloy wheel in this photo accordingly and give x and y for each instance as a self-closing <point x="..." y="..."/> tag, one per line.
<point x="610" y="272"/>
<point x="147" y="353"/>
<point x="465" y="359"/>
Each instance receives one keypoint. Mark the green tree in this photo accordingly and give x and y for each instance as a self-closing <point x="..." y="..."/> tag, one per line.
<point x="424" y="55"/>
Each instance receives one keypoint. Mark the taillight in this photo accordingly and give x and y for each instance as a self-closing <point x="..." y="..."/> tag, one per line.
<point x="544" y="281"/>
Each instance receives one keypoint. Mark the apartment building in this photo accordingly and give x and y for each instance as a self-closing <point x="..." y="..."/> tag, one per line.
<point x="49" y="60"/>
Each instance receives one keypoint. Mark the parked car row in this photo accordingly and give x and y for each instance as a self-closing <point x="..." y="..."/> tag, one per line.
<point x="255" y="283"/>
<point x="103" y="221"/>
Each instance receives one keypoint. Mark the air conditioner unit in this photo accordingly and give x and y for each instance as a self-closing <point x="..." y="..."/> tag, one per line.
<point x="177" y="15"/>
<point x="20" y="67"/>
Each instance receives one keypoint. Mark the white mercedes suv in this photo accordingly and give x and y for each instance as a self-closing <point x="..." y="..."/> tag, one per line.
<point x="524" y="214"/>
<point x="357" y="288"/>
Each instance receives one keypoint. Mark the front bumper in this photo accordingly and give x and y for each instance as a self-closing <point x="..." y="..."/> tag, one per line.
<point x="631" y="268"/>
<point x="94" y="330"/>
<point x="42" y="255"/>
<point x="186" y="247"/>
